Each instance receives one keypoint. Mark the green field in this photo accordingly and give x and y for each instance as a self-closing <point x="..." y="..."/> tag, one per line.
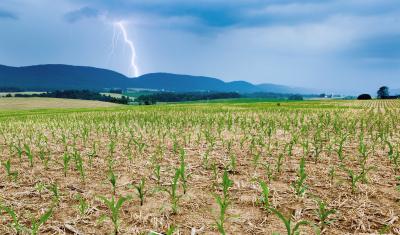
<point x="22" y="103"/>
<point x="3" y="94"/>
<point x="231" y="167"/>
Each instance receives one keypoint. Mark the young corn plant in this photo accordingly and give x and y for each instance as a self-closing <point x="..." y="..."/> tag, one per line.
<point x="111" y="149"/>
<point x="232" y="163"/>
<point x="56" y="193"/>
<point x="20" y="152"/>
<point x="37" y="223"/>
<point x="290" y="229"/>
<point x="170" y="230"/>
<point x="364" y="170"/>
<point x="182" y="170"/>
<point x="16" y="225"/>
<point x="318" y="147"/>
<point x="11" y="174"/>
<point x="113" y="180"/>
<point x="214" y="169"/>
<point x="268" y="171"/>
<point x="66" y="160"/>
<point x="205" y="159"/>
<point x="339" y="150"/>
<point x="256" y="160"/>
<point x="396" y="161"/>
<point x="279" y="163"/>
<point x="45" y="158"/>
<point x="29" y="154"/>
<point x="299" y="185"/>
<point x="354" y="178"/>
<point x="157" y="173"/>
<point x="140" y="145"/>
<point x="223" y="202"/>
<point x="114" y="207"/>
<point x="265" y="195"/>
<point x="141" y="191"/>
<point x="174" y="197"/>
<point x="83" y="206"/>
<point x="40" y="187"/>
<point x="323" y="214"/>
<point x="92" y="154"/>
<point x="79" y="165"/>
<point x="332" y="173"/>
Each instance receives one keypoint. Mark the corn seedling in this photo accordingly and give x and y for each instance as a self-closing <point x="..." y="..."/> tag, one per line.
<point x="92" y="154"/>
<point x="332" y="173"/>
<point x="268" y="171"/>
<point x="279" y="163"/>
<point x="323" y="214"/>
<point x="114" y="208"/>
<point x="20" y="152"/>
<point x="113" y="180"/>
<point x="205" y="159"/>
<point x="10" y="173"/>
<point x="299" y="185"/>
<point x="182" y="170"/>
<point x="40" y="187"/>
<point x="79" y="164"/>
<point x="354" y="178"/>
<point x="45" y="158"/>
<point x="223" y="202"/>
<point x="141" y="191"/>
<point x="36" y="224"/>
<point x="256" y="160"/>
<point x="264" y="194"/>
<point x="56" y="193"/>
<point x="170" y="230"/>
<point x="16" y="225"/>
<point x="174" y="197"/>
<point x="29" y="154"/>
<point x="290" y="229"/>
<point x="83" y="205"/>
<point x="66" y="160"/>
<point x="157" y="173"/>
<point x="232" y="163"/>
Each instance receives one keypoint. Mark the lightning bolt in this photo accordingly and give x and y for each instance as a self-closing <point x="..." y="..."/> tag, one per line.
<point x="114" y="42"/>
<point x="134" y="69"/>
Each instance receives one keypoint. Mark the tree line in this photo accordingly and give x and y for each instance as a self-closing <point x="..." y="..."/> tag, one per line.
<point x="181" y="97"/>
<point x="382" y="93"/>
<point x="79" y="94"/>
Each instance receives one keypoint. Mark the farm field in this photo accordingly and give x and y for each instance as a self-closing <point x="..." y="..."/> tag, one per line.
<point x="329" y="167"/>
<point x="21" y="103"/>
<point x="3" y="94"/>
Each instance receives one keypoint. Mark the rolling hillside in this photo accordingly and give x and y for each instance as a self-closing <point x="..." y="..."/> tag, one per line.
<point x="62" y="77"/>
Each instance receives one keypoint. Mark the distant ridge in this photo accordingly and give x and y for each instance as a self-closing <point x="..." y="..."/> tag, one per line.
<point x="62" y="77"/>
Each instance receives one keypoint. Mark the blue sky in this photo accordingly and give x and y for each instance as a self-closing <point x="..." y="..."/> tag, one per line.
<point x="333" y="45"/>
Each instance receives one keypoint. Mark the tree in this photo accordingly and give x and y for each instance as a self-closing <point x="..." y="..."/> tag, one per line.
<point x="383" y="92"/>
<point x="295" y="97"/>
<point x="364" y="97"/>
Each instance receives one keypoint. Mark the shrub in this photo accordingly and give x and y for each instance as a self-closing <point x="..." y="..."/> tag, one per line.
<point x="364" y="97"/>
<point x="295" y="97"/>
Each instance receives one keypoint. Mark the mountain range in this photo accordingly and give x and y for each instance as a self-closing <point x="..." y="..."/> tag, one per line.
<point x="63" y="77"/>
